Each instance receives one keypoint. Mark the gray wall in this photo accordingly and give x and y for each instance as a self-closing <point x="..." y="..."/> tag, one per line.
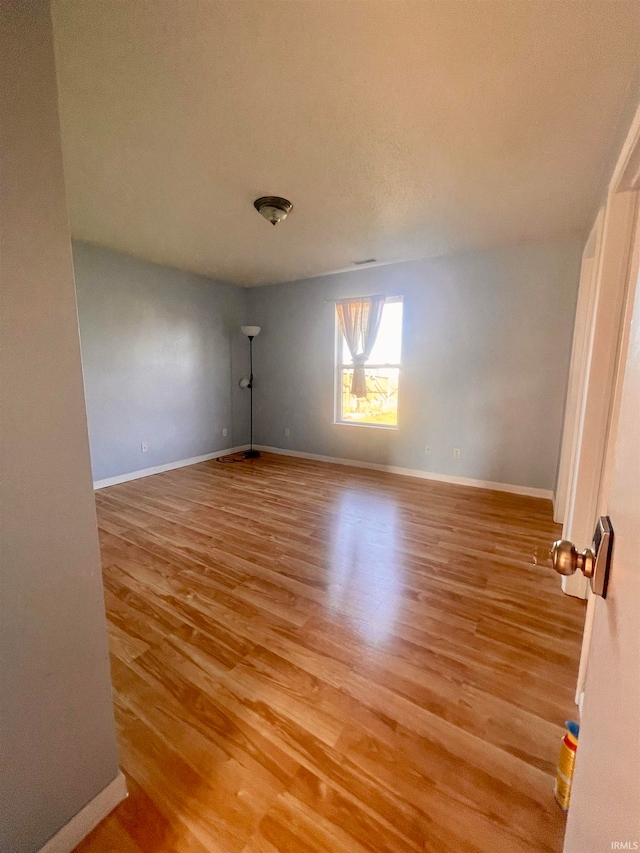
<point x="162" y="354"/>
<point x="56" y="722"/>
<point x="486" y="347"/>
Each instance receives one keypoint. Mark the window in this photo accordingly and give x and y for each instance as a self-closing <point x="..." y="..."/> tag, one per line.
<point x="382" y="373"/>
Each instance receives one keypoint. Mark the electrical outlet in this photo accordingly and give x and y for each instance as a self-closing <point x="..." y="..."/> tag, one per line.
<point x="286" y="432"/>
<point x="224" y="432"/>
<point x="144" y="447"/>
<point x="427" y="448"/>
<point x="456" y="453"/>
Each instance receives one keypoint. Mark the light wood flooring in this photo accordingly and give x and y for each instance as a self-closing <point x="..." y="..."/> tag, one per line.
<point x="310" y="657"/>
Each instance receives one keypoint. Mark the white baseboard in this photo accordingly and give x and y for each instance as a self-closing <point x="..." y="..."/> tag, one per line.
<point x="72" y="833"/>
<point x="391" y="469"/>
<point x="576" y="585"/>
<point x="170" y="466"/>
<point x="558" y="511"/>
<point x="415" y="472"/>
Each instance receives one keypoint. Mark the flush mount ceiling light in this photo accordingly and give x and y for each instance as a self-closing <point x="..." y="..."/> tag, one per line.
<point x="273" y="208"/>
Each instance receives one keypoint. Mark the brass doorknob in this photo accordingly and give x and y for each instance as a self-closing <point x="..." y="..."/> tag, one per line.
<point x="594" y="562"/>
<point x="566" y="558"/>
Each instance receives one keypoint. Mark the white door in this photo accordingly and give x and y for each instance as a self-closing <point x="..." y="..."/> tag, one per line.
<point x="594" y="362"/>
<point x="604" y="812"/>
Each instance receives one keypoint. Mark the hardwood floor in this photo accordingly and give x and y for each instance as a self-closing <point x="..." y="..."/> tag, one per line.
<point x="308" y="657"/>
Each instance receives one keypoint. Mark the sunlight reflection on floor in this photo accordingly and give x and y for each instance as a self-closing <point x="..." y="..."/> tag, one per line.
<point x="365" y="563"/>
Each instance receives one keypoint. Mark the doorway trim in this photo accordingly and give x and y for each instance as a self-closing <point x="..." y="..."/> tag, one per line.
<point x="617" y="276"/>
<point x="595" y="355"/>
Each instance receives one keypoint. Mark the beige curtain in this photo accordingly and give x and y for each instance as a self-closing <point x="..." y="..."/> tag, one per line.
<point x="360" y="320"/>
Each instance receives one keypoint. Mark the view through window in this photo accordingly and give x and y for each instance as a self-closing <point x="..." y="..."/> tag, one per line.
<point x="382" y="372"/>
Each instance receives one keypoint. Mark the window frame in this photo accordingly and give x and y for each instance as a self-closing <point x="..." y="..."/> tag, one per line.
<point x="339" y="366"/>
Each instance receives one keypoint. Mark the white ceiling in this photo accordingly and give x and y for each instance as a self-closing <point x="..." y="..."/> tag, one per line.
<point x="398" y="129"/>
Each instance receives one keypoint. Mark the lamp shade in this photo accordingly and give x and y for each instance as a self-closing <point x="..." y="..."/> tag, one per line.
<point x="250" y="331"/>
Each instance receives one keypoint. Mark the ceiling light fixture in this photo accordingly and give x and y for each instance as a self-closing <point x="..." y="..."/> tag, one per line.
<point x="273" y="208"/>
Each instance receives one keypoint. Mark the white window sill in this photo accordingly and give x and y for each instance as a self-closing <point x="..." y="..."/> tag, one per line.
<point x="389" y="427"/>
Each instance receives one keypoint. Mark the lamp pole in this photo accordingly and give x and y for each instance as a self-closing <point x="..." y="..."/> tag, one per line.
<point x="251" y="397"/>
<point x="251" y="332"/>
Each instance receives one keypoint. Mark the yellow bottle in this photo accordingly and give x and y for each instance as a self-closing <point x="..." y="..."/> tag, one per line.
<point x="566" y="765"/>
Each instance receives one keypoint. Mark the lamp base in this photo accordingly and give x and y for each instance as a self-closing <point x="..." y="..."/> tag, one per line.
<point x="251" y="454"/>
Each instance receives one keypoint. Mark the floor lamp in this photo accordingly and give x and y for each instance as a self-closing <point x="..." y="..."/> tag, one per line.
<point x="250" y="332"/>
